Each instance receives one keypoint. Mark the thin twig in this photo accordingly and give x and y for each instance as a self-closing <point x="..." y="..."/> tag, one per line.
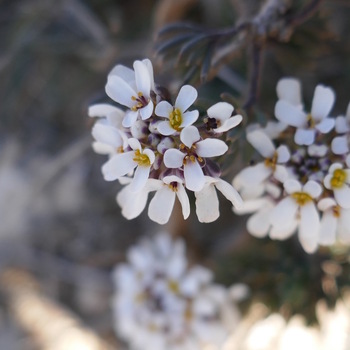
<point x="307" y="12"/>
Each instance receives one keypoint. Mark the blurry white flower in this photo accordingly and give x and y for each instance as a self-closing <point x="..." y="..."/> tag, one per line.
<point x="178" y="117"/>
<point x="207" y="202"/>
<point x="220" y="117"/>
<point x="192" y="154"/>
<point x="254" y="175"/>
<point x="132" y="89"/>
<point x="162" y="303"/>
<point x="338" y="180"/>
<point x="340" y="144"/>
<point x="123" y="163"/>
<point x="298" y="208"/>
<point x="335" y="222"/>
<point x="307" y="124"/>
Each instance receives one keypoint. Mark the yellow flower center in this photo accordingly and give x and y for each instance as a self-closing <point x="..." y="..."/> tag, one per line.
<point x="336" y="211"/>
<point x="310" y="121"/>
<point x="141" y="159"/>
<point x="140" y="100"/>
<point x="174" y="287"/>
<point x="175" y="119"/>
<point x="301" y="197"/>
<point x="173" y="186"/>
<point x="338" y="179"/>
<point x="271" y="162"/>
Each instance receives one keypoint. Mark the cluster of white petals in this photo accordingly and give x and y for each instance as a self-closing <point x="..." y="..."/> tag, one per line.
<point x="154" y="146"/>
<point x="160" y="302"/>
<point x="301" y="186"/>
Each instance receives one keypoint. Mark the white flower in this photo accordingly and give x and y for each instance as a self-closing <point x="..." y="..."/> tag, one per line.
<point x="335" y="222"/>
<point x="338" y="180"/>
<point x="220" y="117"/>
<point x="298" y="208"/>
<point x="123" y="163"/>
<point x="162" y="203"/>
<point x="132" y="89"/>
<point x="340" y="144"/>
<point x="108" y="131"/>
<point x="161" y="303"/>
<point x="207" y="202"/>
<point x="194" y="150"/>
<point x="289" y="89"/>
<point x="177" y="117"/>
<point x="254" y="175"/>
<point x="308" y="124"/>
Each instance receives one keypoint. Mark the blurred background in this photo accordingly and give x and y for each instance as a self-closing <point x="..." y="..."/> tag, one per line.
<point x="61" y="231"/>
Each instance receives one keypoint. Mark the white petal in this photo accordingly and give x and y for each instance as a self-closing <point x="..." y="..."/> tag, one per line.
<point x="119" y="165"/>
<point x="173" y="158"/>
<point x="284" y="232"/>
<point x="274" y="129"/>
<point x="342" y="196"/>
<point x="149" y="66"/>
<point x="142" y="78"/>
<point x="342" y="125"/>
<point x="292" y="185"/>
<point x="281" y="173"/>
<point x="140" y="178"/>
<point x="283" y="154"/>
<point x="211" y="148"/>
<point x="258" y="224"/>
<point x="220" y="111"/>
<point x="284" y="213"/>
<point x="107" y="134"/>
<point x="289" y="89"/>
<point x="161" y="205"/>
<point x="309" y="227"/>
<point x="254" y="175"/>
<point x="326" y="125"/>
<point x="132" y="204"/>
<point x="207" y="204"/>
<point x="340" y="145"/>
<point x="120" y="91"/>
<point x="322" y="102"/>
<point x="150" y="154"/>
<point x="229" y="192"/>
<point x="334" y="167"/>
<point x="344" y="226"/>
<point x="189" y="118"/>
<point x="328" y="227"/>
<point x="252" y="205"/>
<point x="163" y="109"/>
<point x="262" y="143"/>
<point x="289" y="114"/>
<point x="165" y="128"/>
<point x="102" y="148"/>
<point x="189" y="135"/>
<point x="130" y="118"/>
<point x="304" y="136"/>
<point x="127" y="74"/>
<point x="135" y="144"/>
<point x="101" y="110"/>
<point x="194" y="177"/>
<point x="187" y="95"/>
<point x="146" y="111"/>
<point x="185" y="203"/>
<point x="229" y="124"/>
<point x="313" y="188"/>
<point x="326" y="203"/>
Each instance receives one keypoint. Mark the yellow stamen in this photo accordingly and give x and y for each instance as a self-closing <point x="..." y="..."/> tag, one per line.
<point x="141" y="159"/>
<point x="336" y="211"/>
<point x="338" y="179"/>
<point x="271" y="162"/>
<point x="175" y="119"/>
<point x="310" y="121"/>
<point x="301" y="197"/>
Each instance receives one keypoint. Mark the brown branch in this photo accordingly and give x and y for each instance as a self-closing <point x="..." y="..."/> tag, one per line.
<point x="307" y="12"/>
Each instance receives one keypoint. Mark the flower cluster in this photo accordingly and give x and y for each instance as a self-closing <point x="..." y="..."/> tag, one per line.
<point x="153" y="146"/>
<point x="162" y="303"/>
<point x="302" y="183"/>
